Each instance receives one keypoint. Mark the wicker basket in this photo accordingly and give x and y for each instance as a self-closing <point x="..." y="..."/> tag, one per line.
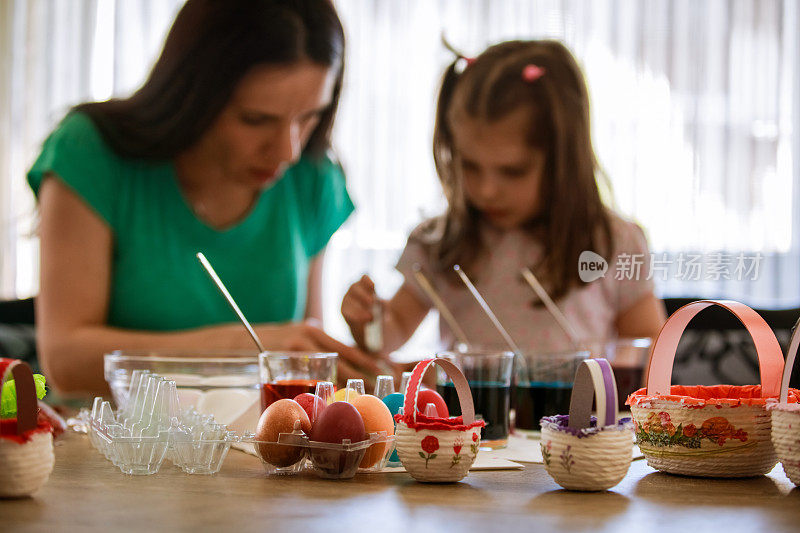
<point x="708" y="431"/>
<point x="582" y="452"/>
<point x="434" y="449"/>
<point x="26" y="447"/>
<point x="786" y="417"/>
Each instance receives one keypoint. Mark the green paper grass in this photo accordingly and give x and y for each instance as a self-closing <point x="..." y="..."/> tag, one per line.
<point x="8" y="401"/>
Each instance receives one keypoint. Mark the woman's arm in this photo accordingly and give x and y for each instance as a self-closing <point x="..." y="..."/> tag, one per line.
<point x="72" y="334"/>
<point x="643" y="319"/>
<point x="314" y="289"/>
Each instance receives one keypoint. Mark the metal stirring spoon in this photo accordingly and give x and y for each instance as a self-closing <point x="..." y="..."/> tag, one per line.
<point x="227" y="295"/>
<point x="509" y="340"/>
<point x="444" y="311"/>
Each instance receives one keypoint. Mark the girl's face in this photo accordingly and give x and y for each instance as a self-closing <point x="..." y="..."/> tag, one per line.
<point x="502" y="173"/>
<point x="265" y="125"/>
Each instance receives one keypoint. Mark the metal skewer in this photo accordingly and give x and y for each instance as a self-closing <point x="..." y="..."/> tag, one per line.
<point x="561" y="320"/>
<point x="227" y="295"/>
<point x="444" y="312"/>
<point x="488" y="311"/>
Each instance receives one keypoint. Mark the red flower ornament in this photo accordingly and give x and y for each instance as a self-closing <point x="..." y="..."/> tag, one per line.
<point x="429" y="445"/>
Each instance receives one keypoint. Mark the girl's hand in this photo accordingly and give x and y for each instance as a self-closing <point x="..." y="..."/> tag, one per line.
<point x="357" y="306"/>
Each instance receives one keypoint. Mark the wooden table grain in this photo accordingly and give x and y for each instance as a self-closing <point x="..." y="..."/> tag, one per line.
<point x="87" y="493"/>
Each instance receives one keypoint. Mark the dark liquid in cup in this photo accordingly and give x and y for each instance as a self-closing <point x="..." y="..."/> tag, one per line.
<point x="629" y="380"/>
<point x="287" y="388"/>
<point x="491" y="402"/>
<point x="533" y="400"/>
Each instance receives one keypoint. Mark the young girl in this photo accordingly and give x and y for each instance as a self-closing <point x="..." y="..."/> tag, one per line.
<point x="513" y="151"/>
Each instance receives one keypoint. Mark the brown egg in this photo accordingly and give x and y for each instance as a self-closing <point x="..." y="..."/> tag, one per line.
<point x="280" y="417"/>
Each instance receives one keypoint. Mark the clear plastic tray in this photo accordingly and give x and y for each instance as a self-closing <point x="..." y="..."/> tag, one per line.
<point x="152" y="427"/>
<point x="331" y="461"/>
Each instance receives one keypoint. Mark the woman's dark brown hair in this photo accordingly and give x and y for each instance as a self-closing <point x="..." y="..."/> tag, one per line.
<point x="212" y="44"/>
<point x="573" y="216"/>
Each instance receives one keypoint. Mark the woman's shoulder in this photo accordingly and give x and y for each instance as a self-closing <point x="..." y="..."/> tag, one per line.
<point x="78" y="155"/>
<point x="78" y="130"/>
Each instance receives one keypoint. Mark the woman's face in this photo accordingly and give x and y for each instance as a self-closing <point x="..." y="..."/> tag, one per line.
<point x="265" y="125"/>
<point x="502" y="173"/>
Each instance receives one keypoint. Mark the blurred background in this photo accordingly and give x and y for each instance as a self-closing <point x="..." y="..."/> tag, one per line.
<point x="695" y="115"/>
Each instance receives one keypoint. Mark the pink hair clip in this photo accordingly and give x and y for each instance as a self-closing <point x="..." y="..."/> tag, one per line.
<point x="532" y="72"/>
<point x="469" y="61"/>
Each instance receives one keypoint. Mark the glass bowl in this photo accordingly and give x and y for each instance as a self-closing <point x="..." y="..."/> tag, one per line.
<point x="223" y="383"/>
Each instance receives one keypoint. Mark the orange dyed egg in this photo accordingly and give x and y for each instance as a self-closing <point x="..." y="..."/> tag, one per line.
<point x="376" y="418"/>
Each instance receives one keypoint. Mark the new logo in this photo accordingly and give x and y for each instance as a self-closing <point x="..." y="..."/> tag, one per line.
<point x="591" y="266"/>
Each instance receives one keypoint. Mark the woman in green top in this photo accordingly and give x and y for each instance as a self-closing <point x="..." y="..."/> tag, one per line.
<point x="223" y="150"/>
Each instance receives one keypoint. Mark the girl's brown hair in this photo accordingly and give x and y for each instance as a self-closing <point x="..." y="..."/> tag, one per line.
<point x="573" y="217"/>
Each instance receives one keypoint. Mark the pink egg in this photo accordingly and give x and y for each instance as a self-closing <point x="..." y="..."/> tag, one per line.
<point x="307" y="401"/>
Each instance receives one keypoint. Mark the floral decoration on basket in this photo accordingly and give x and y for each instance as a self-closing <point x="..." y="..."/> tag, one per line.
<point x="432" y="448"/>
<point x="582" y="452"/>
<point x="786" y="417"/>
<point x="26" y="444"/>
<point x="708" y="431"/>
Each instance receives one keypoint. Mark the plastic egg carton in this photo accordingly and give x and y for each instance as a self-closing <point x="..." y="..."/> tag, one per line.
<point x="152" y="427"/>
<point x="330" y="461"/>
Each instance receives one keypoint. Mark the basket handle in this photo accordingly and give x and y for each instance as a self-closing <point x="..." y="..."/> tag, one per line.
<point x="594" y="377"/>
<point x="27" y="404"/>
<point x="770" y="357"/>
<point x="794" y="343"/>
<point x="460" y="382"/>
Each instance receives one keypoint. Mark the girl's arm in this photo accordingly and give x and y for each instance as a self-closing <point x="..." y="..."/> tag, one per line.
<point x="72" y="334"/>
<point x="401" y="317"/>
<point x="402" y="314"/>
<point x="642" y="319"/>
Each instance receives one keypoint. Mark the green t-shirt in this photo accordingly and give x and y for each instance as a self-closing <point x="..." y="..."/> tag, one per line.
<point x="157" y="282"/>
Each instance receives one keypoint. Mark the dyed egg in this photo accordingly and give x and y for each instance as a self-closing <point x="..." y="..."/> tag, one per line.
<point x="307" y="401"/>
<point x="338" y="422"/>
<point x="394" y="402"/>
<point x="341" y="394"/>
<point x="280" y="417"/>
<point x="376" y="418"/>
<point x="426" y="396"/>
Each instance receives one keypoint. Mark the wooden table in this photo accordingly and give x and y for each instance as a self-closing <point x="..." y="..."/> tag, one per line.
<point x="87" y="493"/>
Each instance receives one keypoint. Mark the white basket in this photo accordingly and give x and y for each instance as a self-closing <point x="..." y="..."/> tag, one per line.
<point x="582" y="456"/>
<point x="786" y="417"/>
<point x="715" y="431"/>
<point x="434" y="449"/>
<point x="24" y="466"/>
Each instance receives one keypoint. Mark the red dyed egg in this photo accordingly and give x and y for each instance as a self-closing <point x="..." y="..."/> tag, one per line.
<point x="426" y="396"/>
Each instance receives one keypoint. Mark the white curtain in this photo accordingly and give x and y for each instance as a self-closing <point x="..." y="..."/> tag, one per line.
<point x="55" y="54"/>
<point x="695" y="110"/>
